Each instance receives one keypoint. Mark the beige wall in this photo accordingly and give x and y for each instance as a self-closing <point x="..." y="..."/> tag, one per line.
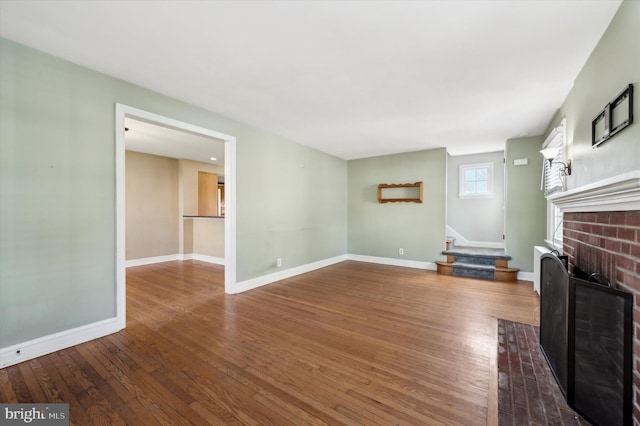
<point x="152" y="215"/>
<point x="189" y="181"/>
<point x="187" y="236"/>
<point x="206" y="238"/>
<point x="153" y="188"/>
<point x="200" y="236"/>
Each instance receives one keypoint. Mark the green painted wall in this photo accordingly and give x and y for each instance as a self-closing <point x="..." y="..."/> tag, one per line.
<point x="57" y="184"/>
<point x="292" y="204"/>
<point x="525" y="208"/>
<point x="57" y="192"/>
<point x="381" y="229"/>
<point x="613" y="64"/>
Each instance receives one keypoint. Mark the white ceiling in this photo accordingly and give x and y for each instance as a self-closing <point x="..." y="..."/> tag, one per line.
<point x="351" y="78"/>
<point x="154" y="139"/>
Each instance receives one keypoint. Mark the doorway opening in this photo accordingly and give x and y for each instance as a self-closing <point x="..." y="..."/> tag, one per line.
<point x="475" y="201"/>
<point x="124" y="112"/>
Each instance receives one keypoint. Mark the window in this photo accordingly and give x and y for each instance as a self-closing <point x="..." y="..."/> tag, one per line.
<point x="476" y="180"/>
<point x="554" y="181"/>
<point x="554" y="226"/>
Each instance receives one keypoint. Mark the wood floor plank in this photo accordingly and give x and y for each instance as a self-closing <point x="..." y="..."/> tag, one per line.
<point x="76" y="409"/>
<point x="7" y="394"/>
<point x="353" y="343"/>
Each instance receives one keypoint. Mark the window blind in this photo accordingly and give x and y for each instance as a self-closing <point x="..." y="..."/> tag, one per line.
<point x="553" y="179"/>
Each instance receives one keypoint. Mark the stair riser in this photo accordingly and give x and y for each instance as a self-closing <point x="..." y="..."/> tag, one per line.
<point x="481" y="266"/>
<point x="487" y="274"/>
<point x="511" y="275"/>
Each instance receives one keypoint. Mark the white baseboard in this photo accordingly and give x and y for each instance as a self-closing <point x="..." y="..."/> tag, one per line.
<point x="204" y="258"/>
<point x="173" y="257"/>
<point x="287" y="273"/>
<point x="393" y="262"/>
<point x="151" y="260"/>
<point x="54" y="342"/>
<point x="461" y="241"/>
<point x="47" y="344"/>
<point x="525" y="276"/>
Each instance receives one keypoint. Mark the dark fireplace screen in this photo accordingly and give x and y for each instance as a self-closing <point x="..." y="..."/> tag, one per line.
<point x="554" y="329"/>
<point x="600" y="354"/>
<point x="585" y="334"/>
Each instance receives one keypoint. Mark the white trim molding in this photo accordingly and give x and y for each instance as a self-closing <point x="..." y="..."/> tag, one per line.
<point x="303" y="269"/>
<point x="617" y="193"/>
<point x="525" y="276"/>
<point x="31" y="349"/>
<point x="152" y="260"/>
<point x="174" y="257"/>
<point x="286" y="273"/>
<point x="204" y="258"/>
<point x="121" y="112"/>
<point x="393" y="262"/>
<point x="460" y="241"/>
<point x="462" y="182"/>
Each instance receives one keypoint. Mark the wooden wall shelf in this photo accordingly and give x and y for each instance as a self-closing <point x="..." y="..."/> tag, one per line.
<point x="388" y="199"/>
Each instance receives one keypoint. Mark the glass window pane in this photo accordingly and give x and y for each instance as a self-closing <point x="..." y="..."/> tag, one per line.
<point x="476" y="180"/>
<point x="470" y="175"/>
<point x="482" y="174"/>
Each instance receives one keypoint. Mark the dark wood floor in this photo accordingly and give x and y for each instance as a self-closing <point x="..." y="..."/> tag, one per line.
<point x="354" y="343"/>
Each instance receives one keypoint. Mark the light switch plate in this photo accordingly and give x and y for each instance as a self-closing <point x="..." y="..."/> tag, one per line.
<point x="521" y="162"/>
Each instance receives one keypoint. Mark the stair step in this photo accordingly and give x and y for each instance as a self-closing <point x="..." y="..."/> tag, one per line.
<point x="485" y="265"/>
<point x="474" y="271"/>
<point x="479" y="252"/>
<point x="507" y="274"/>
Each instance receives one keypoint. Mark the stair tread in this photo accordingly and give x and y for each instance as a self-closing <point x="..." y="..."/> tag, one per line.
<point x="498" y="268"/>
<point x="479" y="254"/>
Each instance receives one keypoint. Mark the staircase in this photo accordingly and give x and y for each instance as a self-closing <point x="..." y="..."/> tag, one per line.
<point x="489" y="264"/>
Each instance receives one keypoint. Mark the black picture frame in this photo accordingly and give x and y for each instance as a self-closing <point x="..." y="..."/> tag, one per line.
<point x="601" y="129"/>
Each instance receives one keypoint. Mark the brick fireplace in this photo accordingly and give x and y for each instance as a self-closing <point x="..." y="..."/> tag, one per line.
<point x="601" y="233"/>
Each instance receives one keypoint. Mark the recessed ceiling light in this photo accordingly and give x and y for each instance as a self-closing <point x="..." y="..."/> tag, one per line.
<point x="213" y="158"/>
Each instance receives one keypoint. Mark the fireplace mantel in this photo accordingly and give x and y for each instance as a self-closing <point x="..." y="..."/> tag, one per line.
<point x="618" y="193"/>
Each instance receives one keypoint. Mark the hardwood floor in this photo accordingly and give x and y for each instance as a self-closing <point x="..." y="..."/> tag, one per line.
<point x="353" y="343"/>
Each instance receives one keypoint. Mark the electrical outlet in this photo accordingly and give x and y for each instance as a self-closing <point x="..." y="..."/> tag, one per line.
<point x="401" y="252"/>
<point x="279" y="262"/>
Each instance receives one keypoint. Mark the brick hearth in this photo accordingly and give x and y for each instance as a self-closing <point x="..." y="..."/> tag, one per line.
<point x="528" y="394"/>
<point x="609" y="243"/>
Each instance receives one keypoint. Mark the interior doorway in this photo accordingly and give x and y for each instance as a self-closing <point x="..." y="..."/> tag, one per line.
<point x="476" y="200"/>
<point x="124" y="112"/>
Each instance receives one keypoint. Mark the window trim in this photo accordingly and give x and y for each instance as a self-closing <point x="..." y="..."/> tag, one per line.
<point x="462" y="193"/>
<point x="552" y="178"/>
<point x="556" y="138"/>
<point x="554" y="237"/>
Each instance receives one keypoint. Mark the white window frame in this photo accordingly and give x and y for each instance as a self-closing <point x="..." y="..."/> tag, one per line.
<point x="462" y="193"/>
<point x="557" y="138"/>
<point x="554" y="227"/>
<point x="553" y="179"/>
